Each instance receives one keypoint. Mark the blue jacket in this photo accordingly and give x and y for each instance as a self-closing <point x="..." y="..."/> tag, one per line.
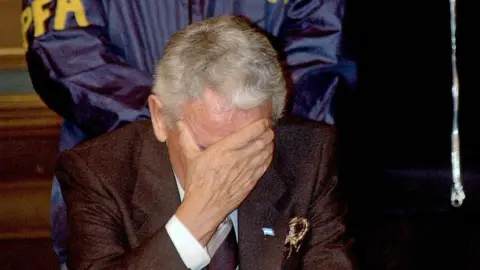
<point x="92" y="61"/>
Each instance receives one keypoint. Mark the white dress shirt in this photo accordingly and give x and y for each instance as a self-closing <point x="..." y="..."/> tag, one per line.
<point x="193" y="254"/>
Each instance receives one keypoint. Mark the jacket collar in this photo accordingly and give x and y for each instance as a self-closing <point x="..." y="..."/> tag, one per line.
<point x="155" y="197"/>
<point x="267" y="206"/>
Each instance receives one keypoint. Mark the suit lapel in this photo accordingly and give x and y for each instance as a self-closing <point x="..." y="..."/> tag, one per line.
<point x="265" y="207"/>
<point x="155" y="198"/>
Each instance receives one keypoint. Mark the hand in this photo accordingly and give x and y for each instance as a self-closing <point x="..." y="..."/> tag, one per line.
<point x="219" y="178"/>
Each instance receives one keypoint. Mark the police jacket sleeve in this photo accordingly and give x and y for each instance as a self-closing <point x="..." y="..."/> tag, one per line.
<point x="312" y="37"/>
<point x="75" y="69"/>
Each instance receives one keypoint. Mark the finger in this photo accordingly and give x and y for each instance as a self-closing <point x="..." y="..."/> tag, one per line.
<point x="262" y="158"/>
<point x="252" y="176"/>
<point x="260" y="171"/>
<point x="187" y="143"/>
<point x="262" y="142"/>
<point x="249" y="178"/>
<point x="251" y="163"/>
<point x="258" y="163"/>
<point x="245" y="135"/>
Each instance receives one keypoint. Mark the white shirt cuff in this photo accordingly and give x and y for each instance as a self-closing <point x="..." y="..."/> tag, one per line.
<point x="190" y="250"/>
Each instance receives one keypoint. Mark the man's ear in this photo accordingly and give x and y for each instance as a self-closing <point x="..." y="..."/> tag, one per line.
<point x="158" y="117"/>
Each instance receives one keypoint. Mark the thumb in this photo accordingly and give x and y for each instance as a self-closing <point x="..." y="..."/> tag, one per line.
<point x="188" y="144"/>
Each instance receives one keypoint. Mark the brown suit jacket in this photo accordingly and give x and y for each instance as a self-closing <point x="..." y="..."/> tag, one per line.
<point x="120" y="192"/>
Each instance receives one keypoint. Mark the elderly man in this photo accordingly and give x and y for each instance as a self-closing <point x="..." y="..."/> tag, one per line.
<point x="208" y="182"/>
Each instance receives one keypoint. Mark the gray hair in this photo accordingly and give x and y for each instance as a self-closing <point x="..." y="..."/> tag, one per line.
<point x="225" y="54"/>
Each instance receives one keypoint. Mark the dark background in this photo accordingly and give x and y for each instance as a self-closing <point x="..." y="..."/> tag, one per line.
<point x="395" y="134"/>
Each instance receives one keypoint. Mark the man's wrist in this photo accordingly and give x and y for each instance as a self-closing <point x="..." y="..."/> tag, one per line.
<point x="193" y="254"/>
<point x="201" y="224"/>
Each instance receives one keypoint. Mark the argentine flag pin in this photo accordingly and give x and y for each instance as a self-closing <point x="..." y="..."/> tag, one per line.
<point x="268" y="231"/>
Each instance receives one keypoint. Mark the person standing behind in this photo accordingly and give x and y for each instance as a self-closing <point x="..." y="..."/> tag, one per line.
<point x="92" y="61"/>
<point x="237" y="184"/>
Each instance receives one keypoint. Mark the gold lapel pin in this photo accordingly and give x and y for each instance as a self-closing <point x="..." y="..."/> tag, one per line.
<point x="298" y="228"/>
